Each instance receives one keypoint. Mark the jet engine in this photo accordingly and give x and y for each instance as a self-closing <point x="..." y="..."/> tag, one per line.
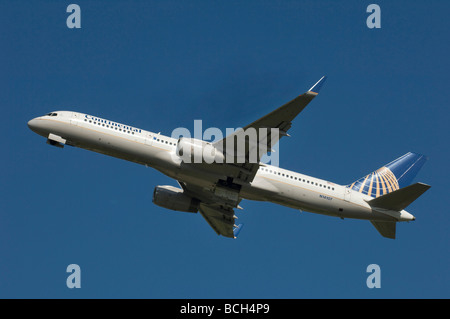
<point x="175" y="199"/>
<point x="197" y="151"/>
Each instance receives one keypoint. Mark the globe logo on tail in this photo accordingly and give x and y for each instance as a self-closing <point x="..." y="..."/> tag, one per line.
<point x="378" y="183"/>
<point x="393" y="176"/>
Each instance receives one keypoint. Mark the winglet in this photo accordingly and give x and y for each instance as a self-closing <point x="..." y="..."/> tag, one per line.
<point x="316" y="88"/>
<point x="237" y="229"/>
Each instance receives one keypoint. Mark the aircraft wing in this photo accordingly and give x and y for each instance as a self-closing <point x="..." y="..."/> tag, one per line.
<point x="268" y="129"/>
<point x="221" y="219"/>
<point x="217" y="203"/>
<point x="215" y="210"/>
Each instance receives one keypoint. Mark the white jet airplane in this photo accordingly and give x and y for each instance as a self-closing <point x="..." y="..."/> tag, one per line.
<point x="215" y="187"/>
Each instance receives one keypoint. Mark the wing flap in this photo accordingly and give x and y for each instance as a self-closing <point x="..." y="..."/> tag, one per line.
<point x="219" y="218"/>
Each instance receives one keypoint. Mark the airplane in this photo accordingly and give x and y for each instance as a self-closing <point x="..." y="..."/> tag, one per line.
<point x="215" y="189"/>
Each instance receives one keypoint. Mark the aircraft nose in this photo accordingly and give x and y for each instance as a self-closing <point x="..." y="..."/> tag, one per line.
<point x="32" y="124"/>
<point x="37" y="126"/>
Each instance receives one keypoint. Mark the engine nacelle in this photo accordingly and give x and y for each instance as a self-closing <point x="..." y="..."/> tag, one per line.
<point x="192" y="150"/>
<point x="175" y="199"/>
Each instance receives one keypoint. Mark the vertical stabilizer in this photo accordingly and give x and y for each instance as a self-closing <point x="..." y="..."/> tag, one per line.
<point x="391" y="177"/>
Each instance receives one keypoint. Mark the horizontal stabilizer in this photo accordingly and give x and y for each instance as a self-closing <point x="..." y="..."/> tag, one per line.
<point x="386" y="229"/>
<point x="401" y="198"/>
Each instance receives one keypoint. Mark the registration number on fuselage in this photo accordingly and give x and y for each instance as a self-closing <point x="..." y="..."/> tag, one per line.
<point x="326" y="197"/>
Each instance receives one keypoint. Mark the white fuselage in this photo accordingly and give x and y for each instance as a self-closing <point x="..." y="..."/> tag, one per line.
<point x="271" y="183"/>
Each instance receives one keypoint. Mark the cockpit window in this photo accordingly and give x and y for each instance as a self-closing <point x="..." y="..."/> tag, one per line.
<point x="52" y="114"/>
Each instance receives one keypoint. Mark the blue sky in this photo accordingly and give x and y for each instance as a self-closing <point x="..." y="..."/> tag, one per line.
<point x="159" y="65"/>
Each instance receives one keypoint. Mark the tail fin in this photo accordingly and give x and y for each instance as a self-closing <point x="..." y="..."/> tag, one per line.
<point x="391" y="177"/>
